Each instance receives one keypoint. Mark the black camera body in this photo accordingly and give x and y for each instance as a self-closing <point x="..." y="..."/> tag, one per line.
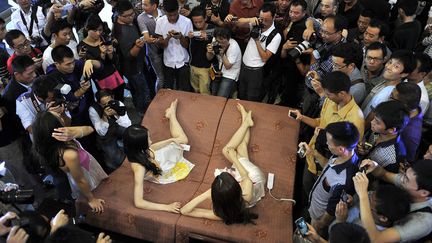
<point x="36" y="40"/>
<point x="216" y="47"/>
<point x="17" y="196"/>
<point x="298" y="50"/>
<point x="215" y="10"/>
<point x="115" y="105"/>
<point x="256" y="30"/>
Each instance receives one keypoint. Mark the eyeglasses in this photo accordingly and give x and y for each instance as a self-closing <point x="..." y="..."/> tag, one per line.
<point x="326" y="33"/>
<point x="373" y="59"/>
<point x="25" y="44"/>
<point x="337" y="67"/>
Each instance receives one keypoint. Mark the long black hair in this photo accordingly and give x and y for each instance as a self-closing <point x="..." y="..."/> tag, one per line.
<point x="48" y="148"/>
<point x="136" y="146"/>
<point x="228" y="202"/>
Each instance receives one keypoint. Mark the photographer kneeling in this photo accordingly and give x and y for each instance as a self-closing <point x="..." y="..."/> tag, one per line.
<point x="110" y="120"/>
<point x="228" y="54"/>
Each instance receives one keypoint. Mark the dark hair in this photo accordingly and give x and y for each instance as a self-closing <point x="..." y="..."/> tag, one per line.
<point x="393" y="113"/>
<point x="377" y="46"/>
<point x="93" y="22"/>
<point x="47" y="147"/>
<point x="2" y="21"/>
<point x="425" y="62"/>
<point x="123" y="6"/>
<point x="59" y="25"/>
<point x="409" y="94"/>
<point x="12" y="35"/>
<point x="228" y="202"/>
<point x="408" y="6"/>
<point x="21" y="63"/>
<point x="170" y="6"/>
<point x="301" y="3"/>
<point x="382" y="26"/>
<point x="392" y="202"/>
<point x="268" y="7"/>
<point x="348" y="232"/>
<point x="152" y="2"/>
<point x="198" y="11"/>
<point x="58" y="53"/>
<point x="344" y="134"/>
<point x="407" y="60"/>
<point x="423" y="170"/>
<point x="135" y="140"/>
<point x="339" y="22"/>
<point x="336" y="82"/>
<point x="368" y="13"/>
<point x="70" y="234"/>
<point x="42" y="85"/>
<point x="38" y="227"/>
<point x="102" y="93"/>
<point x="222" y="33"/>
<point x="350" y="52"/>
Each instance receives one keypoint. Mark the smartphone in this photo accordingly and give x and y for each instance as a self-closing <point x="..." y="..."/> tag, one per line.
<point x="344" y="196"/>
<point x="83" y="49"/>
<point x="368" y="145"/>
<point x="292" y="115"/>
<point x="301" y="151"/>
<point x="176" y="33"/>
<point x="363" y="169"/>
<point x="234" y="18"/>
<point x="302" y="226"/>
<point x="142" y="38"/>
<point x="40" y="55"/>
<point x="197" y="33"/>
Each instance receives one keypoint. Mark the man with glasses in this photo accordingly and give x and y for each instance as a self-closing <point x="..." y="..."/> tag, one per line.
<point x="258" y="52"/>
<point x="417" y="181"/>
<point x="22" y="47"/>
<point x="373" y="65"/>
<point x="132" y="55"/>
<point x="400" y="65"/>
<point x="346" y="57"/>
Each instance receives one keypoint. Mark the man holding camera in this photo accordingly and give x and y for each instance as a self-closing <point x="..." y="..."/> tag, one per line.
<point x="216" y="11"/>
<point x="263" y="43"/>
<point x="44" y="95"/>
<point x="172" y="30"/>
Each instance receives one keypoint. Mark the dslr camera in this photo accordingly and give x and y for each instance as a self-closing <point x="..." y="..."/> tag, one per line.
<point x="257" y="29"/>
<point x="115" y="105"/>
<point x="215" y="10"/>
<point x="36" y="40"/>
<point x="298" y="50"/>
<point x="17" y="196"/>
<point x="216" y="47"/>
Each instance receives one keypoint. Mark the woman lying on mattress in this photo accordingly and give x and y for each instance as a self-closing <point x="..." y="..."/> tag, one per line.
<point x="160" y="162"/>
<point x="236" y="189"/>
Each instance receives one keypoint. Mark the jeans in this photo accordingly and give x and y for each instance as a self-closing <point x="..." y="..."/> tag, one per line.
<point x="224" y="87"/>
<point x="140" y="91"/>
<point x="156" y="60"/>
<point x="177" y="78"/>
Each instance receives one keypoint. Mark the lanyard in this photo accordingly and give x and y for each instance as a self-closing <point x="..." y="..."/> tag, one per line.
<point x="33" y="19"/>
<point x="35" y="103"/>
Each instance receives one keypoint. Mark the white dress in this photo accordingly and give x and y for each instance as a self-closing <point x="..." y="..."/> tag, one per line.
<point x="172" y="163"/>
<point x="254" y="173"/>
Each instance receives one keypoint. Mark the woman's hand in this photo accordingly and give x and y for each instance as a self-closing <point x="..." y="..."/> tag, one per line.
<point x="96" y="205"/>
<point x="173" y="207"/>
<point x="4" y="220"/>
<point x="102" y="238"/>
<point x="66" y="133"/>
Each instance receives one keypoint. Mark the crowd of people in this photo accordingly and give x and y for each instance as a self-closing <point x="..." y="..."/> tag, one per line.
<point x="355" y="73"/>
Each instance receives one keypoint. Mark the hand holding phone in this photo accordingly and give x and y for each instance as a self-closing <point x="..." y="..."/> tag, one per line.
<point x="302" y="226"/>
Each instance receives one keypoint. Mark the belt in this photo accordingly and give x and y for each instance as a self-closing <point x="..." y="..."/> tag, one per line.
<point x="252" y="68"/>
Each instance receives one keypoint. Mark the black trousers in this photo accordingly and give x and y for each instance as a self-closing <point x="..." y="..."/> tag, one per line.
<point x="177" y="78"/>
<point x="251" y="83"/>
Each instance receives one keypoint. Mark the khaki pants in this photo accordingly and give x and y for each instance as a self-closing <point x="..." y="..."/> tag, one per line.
<point x="200" y="80"/>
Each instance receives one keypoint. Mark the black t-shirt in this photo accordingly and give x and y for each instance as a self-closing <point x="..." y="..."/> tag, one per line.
<point x="222" y="7"/>
<point x="406" y="36"/>
<point x="352" y="14"/>
<point x="94" y="53"/>
<point x="198" y="50"/>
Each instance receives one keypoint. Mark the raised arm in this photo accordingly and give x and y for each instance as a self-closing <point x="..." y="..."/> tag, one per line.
<point x="139" y="172"/>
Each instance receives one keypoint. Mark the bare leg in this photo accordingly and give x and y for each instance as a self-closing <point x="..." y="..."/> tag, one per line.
<point x="239" y="136"/>
<point x="242" y="148"/>
<point x="175" y="127"/>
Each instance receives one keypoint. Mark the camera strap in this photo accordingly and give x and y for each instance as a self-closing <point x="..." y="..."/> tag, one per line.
<point x="35" y="102"/>
<point x="33" y="19"/>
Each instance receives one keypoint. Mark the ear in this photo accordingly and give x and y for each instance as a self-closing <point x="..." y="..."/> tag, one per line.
<point x="382" y="218"/>
<point x="404" y="75"/>
<point x="391" y="130"/>
<point x="424" y="193"/>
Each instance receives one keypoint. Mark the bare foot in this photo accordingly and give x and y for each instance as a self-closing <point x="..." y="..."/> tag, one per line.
<point x="242" y="110"/>
<point x="248" y="119"/>
<point x="172" y="109"/>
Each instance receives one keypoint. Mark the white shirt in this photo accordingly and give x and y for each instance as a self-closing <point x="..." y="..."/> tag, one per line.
<point x="37" y="28"/>
<point x="26" y="110"/>
<point x="102" y="126"/>
<point x="424" y="100"/>
<point x="233" y="54"/>
<point x="47" y="58"/>
<point x="379" y="97"/>
<point x="175" y="55"/>
<point x="251" y="57"/>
